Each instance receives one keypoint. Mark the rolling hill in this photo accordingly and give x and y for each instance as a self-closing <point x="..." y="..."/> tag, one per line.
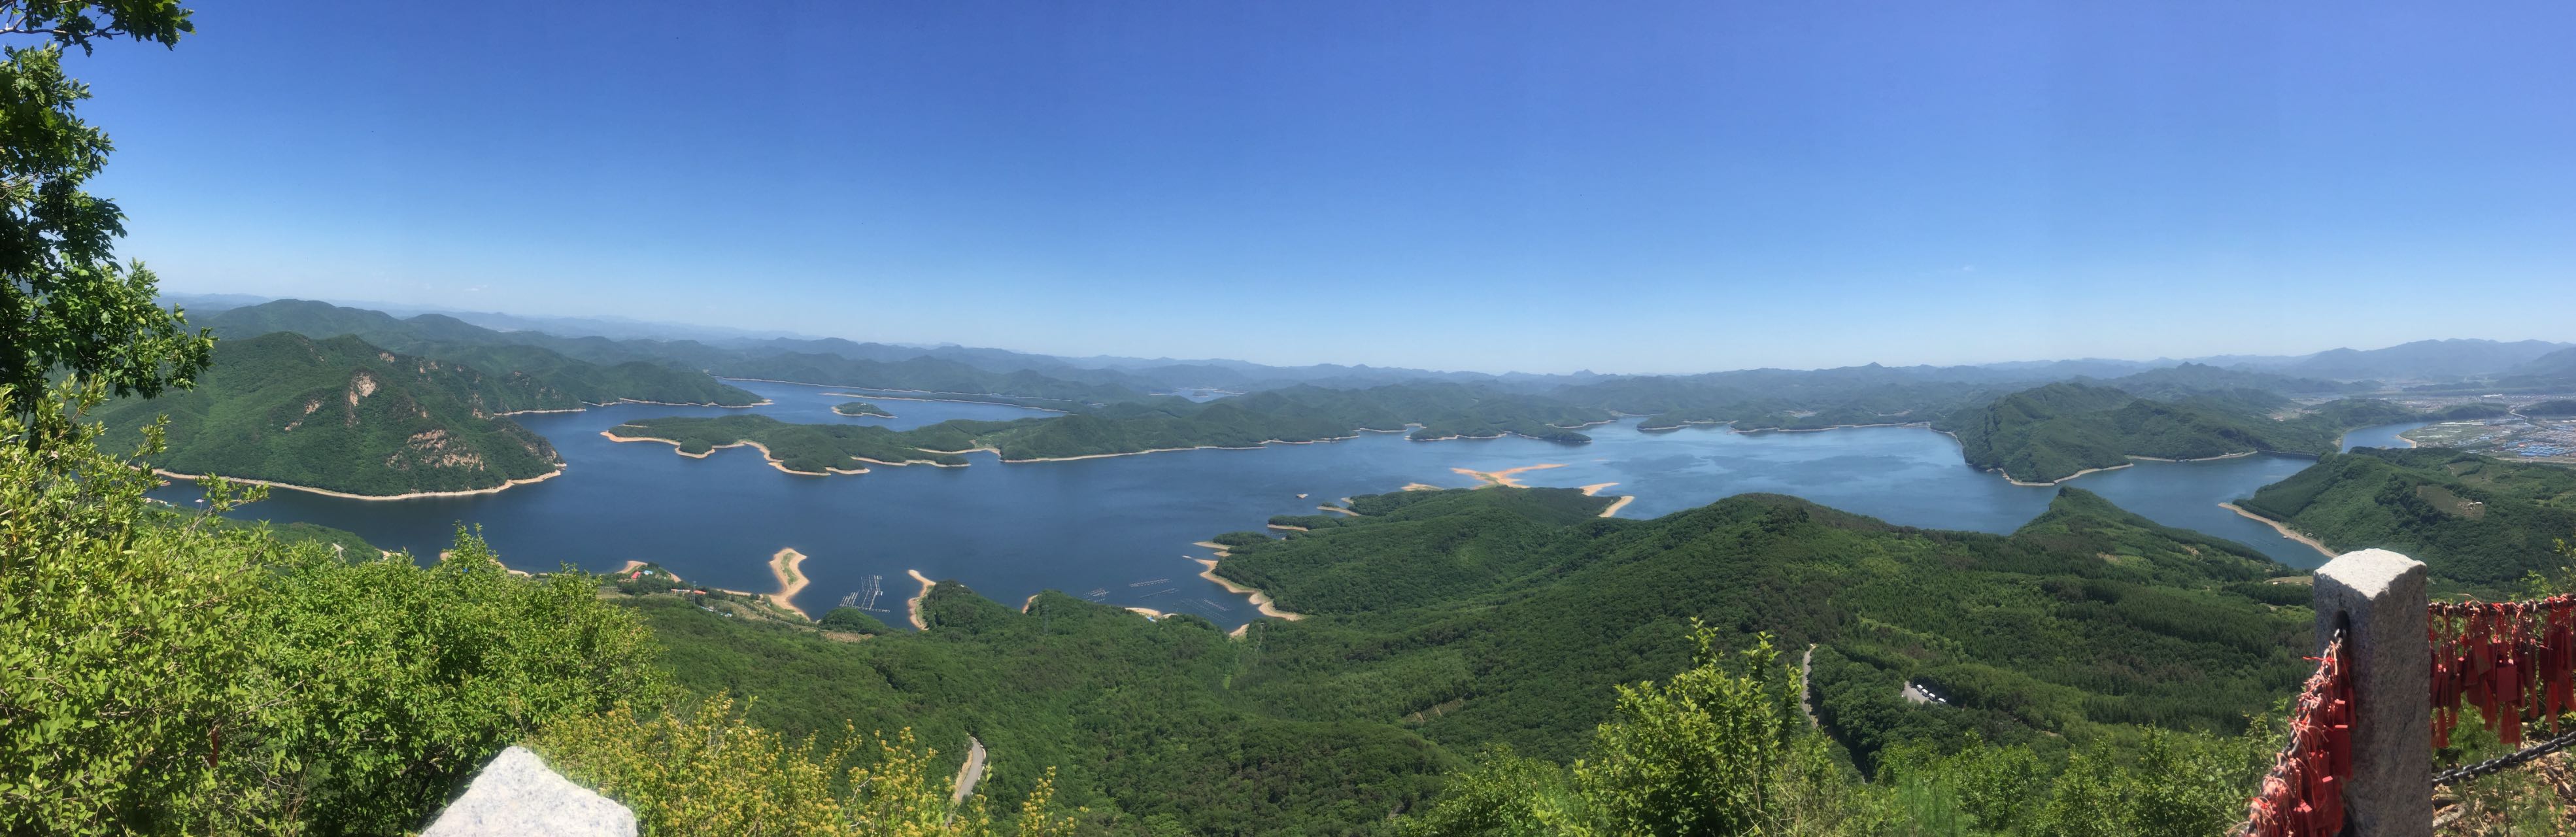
<point x="1445" y="622"/>
<point x="2471" y="519"/>
<point x="341" y="415"/>
<point x="611" y="379"/>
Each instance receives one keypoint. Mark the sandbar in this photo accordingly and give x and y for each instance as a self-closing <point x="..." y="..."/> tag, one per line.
<point x="558" y="471"/>
<point x="1337" y="510"/>
<point x="1260" y="601"/>
<point x="1422" y="486"/>
<point x="1149" y="613"/>
<point x="2283" y="528"/>
<point x="1621" y="503"/>
<point x="1506" y="476"/>
<point x="790" y="582"/>
<point x="2060" y="480"/>
<point x="913" y="605"/>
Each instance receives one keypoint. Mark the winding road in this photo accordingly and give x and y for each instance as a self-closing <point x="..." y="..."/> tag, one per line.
<point x="969" y="773"/>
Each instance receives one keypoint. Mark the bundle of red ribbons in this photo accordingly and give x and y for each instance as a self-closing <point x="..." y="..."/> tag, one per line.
<point x="2511" y="660"/>
<point x="2303" y="795"/>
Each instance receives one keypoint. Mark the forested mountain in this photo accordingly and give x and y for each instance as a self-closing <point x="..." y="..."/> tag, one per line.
<point x="342" y="415"/>
<point x="2056" y="431"/>
<point x="1443" y="622"/>
<point x="445" y="338"/>
<point x="1301" y="414"/>
<point x="2471" y="519"/>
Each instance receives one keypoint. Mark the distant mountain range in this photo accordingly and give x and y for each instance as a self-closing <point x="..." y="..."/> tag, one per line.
<point x="2038" y="421"/>
<point x="2422" y="362"/>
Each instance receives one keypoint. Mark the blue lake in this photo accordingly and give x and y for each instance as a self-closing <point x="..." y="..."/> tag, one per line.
<point x="1124" y="525"/>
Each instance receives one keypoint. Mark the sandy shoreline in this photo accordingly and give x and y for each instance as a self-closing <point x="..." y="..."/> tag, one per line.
<point x="783" y="565"/>
<point x="1594" y="490"/>
<point x="912" y="605"/>
<point x="2283" y="528"/>
<point x="2238" y="455"/>
<point x="1260" y="601"/>
<point x="764" y="453"/>
<point x="2060" y="480"/>
<point x="1506" y="476"/>
<point x="416" y="495"/>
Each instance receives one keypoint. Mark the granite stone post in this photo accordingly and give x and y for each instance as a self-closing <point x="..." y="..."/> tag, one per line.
<point x="2377" y="598"/>
<point x="516" y="796"/>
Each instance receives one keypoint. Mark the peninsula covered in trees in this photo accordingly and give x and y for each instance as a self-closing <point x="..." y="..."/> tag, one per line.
<point x="2475" y="521"/>
<point x="343" y="416"/>
<point x="2061" y="430"/>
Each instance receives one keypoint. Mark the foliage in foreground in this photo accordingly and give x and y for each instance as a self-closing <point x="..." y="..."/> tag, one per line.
<point x="709" y="771"/>
<point x="1720" y="749"/>
<point x="161" y="678"/>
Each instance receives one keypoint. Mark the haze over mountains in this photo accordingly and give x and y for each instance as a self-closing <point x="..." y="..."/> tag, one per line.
<point x="2418" y="362"/>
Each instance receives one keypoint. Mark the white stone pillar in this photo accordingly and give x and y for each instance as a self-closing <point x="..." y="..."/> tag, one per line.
<point x="2377" y="598"/>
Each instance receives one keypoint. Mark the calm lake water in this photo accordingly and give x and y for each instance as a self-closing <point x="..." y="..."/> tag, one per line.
<point x="1122" y="526"/>
<point x="2383" y="436"/>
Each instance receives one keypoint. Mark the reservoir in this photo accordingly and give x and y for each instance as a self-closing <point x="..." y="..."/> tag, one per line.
<point x="1119" y="529"/>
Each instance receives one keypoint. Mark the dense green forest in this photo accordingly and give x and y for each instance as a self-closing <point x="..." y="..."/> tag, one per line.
<point x="1444" y="622"/>
<point x="2471" y="519"/>
<point x="439" y="337"/>
<point x="860" y="408"/>
<point x="2058" y="430"/>
<point x="342" y="415"/>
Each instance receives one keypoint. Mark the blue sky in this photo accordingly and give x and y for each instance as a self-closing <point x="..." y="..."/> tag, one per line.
<point x="1543" y="187"/>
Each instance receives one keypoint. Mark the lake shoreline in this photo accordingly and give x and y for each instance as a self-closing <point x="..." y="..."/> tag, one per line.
<point x="765" y="456"/>
<point x="912" y="605"/>
<point x="2282" y="528"/>
<point x="784" y="565"/>
<point x="1260" y="601"/>
<point x="560" y="467"/>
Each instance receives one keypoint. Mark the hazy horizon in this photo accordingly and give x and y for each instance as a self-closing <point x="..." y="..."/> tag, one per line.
<point x="400" y="310"/>
<point x="1671" y="188"/>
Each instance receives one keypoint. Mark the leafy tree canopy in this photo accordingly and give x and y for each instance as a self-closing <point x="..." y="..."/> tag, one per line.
<point x="65" y="303"/>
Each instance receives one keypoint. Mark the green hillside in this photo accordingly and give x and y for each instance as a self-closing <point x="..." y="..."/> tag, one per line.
<point x="1443" y="622"/>
<point x="444" y="338"/>
<point x="341" y="415"/>
<point x="2056" y="431"/>
<point x="2471" y="519"/>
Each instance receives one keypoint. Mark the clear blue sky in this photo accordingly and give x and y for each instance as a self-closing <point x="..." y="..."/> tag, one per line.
<point x="1623" y="187"/>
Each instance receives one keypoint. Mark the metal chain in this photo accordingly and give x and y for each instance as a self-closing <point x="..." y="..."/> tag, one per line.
<point x="2501" y="762"/>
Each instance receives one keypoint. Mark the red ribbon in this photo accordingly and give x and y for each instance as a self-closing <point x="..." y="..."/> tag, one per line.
<point x="2303" y="795"/>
